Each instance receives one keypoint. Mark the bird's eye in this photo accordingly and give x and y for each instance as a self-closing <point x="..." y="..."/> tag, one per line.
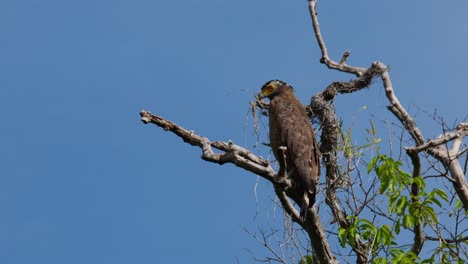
<point x="270" y="88"/>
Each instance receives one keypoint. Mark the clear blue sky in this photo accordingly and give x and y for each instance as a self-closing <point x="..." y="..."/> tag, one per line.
<point x="82" y="180"/>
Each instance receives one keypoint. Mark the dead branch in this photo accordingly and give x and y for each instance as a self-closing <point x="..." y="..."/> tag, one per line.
<point x="456" y="137"/>
<point x="323" y="109"/>
<point x="245" y="159"/>
<point x="328" y="120"/>
<point x="433" y="147"/>
<point x="264" y="241"/>
<point x="234" y="154"/>
<point x="331" y="64"/>
<point x="457" y="240"/>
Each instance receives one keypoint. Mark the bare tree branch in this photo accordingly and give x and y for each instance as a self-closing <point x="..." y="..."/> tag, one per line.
<point x="396" y="108"/>
<point x="245" y="159"/>
<point x="264" y="241"/>
<point x="323" y="109"/>
<point x="450" y="158"/>
<point x="329" y="121"/>
<point x="234" y="154"/>
<point x="457" y="137"/>
<point x="440" y="153"/>
<point x="341" y="66"/>
<point x="457" y="240"/>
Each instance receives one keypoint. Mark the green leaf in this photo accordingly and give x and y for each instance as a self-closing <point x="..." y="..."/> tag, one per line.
<point x="430" y="214"/>
<point x="351" y="236"/>
<point x="366" y="224"/>
<point x="429" y="260"/>
<point x="405" y="177"/>
<point x="419" y="182"/>
<point x="384" y="235"/>
<point x="445" y="258"/>
<point x="372" y="163"/>
<point x="441" y="194"/>
<point x="414" y="209"/>
<point x="397" y="227"/>
<point x="434" y="200"/>
<point x="401" y="205"/>
<point x="379" y="260"/>
<point x="374" y="131"/>
<point x="342" y="236"/>
<point x="408" y="221"/>
<point x="309" y="259"/>
<point x="384" y="185"/>
<point x="368" y="229"/>
<point x="396" y="252"/>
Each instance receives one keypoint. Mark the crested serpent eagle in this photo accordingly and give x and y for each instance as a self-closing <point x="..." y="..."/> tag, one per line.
<point x="293" y="142"/>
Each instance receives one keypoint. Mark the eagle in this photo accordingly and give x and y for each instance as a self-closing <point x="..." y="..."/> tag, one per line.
<point x="293" y="142"/>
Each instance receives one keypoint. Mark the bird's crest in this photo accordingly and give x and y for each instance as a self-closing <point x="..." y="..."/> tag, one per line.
<point x="271" y="87"/>
<point x="275" y="83"/>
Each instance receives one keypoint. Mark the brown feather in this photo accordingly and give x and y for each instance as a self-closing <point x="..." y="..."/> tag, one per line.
<point x="290" y="127"/>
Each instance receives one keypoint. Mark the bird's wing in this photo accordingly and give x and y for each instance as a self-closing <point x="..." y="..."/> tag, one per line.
<point x="302" y="149"/>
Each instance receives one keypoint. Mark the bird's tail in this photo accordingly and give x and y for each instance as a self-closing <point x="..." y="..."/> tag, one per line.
<point x="308" y="201"/>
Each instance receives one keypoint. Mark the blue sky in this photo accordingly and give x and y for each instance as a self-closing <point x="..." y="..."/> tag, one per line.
<point x="82" y="180"/>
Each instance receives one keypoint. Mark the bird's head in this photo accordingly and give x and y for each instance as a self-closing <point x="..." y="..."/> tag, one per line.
<point x="273" y="88"/>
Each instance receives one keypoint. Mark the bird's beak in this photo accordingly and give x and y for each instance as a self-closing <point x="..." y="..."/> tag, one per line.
<point x="260" y="96"/>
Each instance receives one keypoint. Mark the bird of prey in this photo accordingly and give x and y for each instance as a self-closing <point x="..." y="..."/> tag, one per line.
<point x="293" y="142"/>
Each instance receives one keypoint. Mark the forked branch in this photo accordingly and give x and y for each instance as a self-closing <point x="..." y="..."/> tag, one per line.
<point x="232" y="153"/>
<point x="340" y="66"/>
<point x="245" y="159"/>
<point x="434" y="147"/>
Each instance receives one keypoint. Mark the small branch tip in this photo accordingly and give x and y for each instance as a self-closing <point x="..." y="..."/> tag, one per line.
<point x="145" y="120"/>
<point x="345" y="57"/>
